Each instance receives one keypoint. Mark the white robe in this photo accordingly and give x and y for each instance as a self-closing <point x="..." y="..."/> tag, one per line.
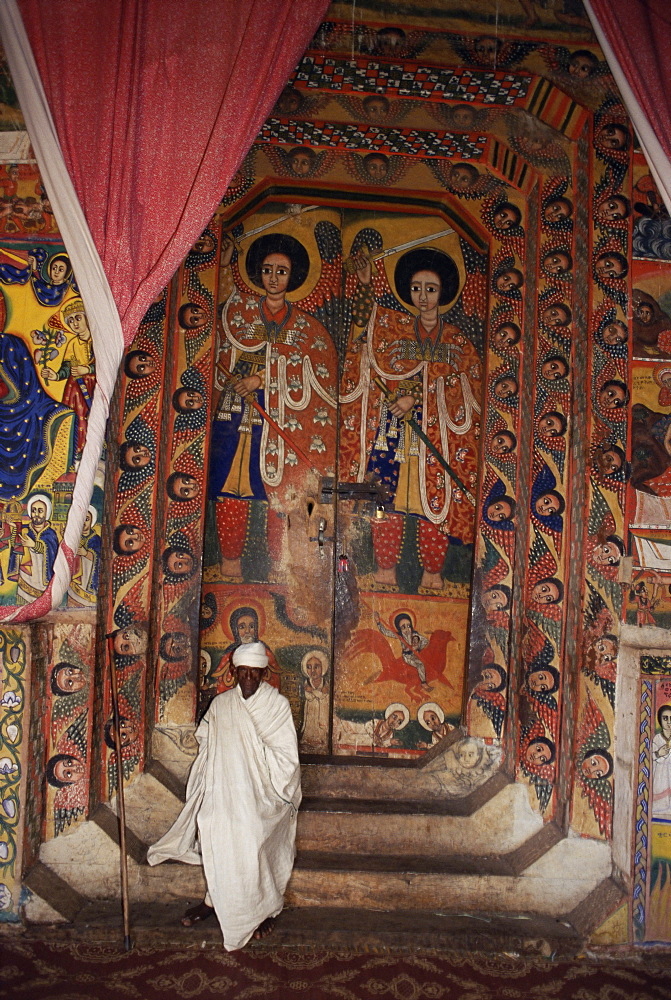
<point x="239" y="819"/>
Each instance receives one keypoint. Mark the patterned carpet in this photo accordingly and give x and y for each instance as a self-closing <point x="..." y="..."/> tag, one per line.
<point x="75" y="970"/>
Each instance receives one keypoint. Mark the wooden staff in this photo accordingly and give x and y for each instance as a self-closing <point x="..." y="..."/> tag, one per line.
<point x="120" y="799"/>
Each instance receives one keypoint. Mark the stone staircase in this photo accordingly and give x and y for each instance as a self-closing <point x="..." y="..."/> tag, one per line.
<point x="377" y="848"/>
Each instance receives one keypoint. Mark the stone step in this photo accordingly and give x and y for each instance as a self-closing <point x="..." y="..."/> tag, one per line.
<point x="157" y="925"/>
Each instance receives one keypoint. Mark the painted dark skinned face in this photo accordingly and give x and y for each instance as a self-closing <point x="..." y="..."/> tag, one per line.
<point x="249" y="679"/>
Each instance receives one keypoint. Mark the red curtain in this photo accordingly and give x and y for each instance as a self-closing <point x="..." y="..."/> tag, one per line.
<point x="155" y="103"/>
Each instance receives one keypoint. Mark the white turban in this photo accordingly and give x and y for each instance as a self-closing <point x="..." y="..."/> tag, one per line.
<point x="250" y="654"/>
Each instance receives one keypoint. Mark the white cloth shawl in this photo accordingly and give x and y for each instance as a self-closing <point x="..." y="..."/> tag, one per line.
<point x="239" y="819"/>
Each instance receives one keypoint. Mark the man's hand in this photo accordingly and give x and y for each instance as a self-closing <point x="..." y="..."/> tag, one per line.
<point x="402" y="405"/>
<point x="364" y="268"/>
<point x="246" y="385"/>
<point x="49" y="375"/>
<point x="81" y="370"/>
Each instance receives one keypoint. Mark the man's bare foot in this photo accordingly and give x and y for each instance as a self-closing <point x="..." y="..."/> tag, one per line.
<point x="264" y="929"/>
<point x="197" y="913"/>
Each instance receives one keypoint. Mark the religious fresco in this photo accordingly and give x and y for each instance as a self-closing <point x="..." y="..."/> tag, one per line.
<point x="13" y="756"/>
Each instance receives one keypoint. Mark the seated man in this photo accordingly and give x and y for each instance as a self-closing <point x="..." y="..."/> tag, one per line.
<point x="239" y="819"/>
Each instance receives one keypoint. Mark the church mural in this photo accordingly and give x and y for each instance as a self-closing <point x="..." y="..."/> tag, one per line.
<point x="13" y="755"/>
<point x="353" y="427"/>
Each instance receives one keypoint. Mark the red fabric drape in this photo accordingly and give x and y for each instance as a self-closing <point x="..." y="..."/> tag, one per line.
<point x="156" y="103"/>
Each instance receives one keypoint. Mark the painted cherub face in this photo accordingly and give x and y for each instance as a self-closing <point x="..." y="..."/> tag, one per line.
<point x="556" y="316"/>
<point x="557" y="262"/>
<point x="463" y="177"/>
<point x="179" y="562"/>
<point x="489" y="679"/>
<point x="138" y="455"/>
<point x="538" y="753"/>
<point x="612" y="209"/>
<point x="131" y="539"/>
<point x="540" y="680"/>
<point x="502" y="444"/>
<point x="610" y="266"/>
<point x="505" y="218"/>
<point x="554" y="369"/>
<point x="615" y="333"/>
<point x="606" y="650"/>
<point x="608" y="461"/>
<point x="70" y="770"/>
<point x="558" y="209"/>
<point x="494" y="600"/>
<point x="505" y="336"/>
<point x="499" y="510"/>
<point x="607" y="554"/>
<point x="545" y="592"/>
<point x="550" y="425"/>
<point x="70" y="678"/>
<point x="505" y="388"/>
<point x="612" y="397"/>
<point x="595" y="766"/>
<point x="547" y="503"/>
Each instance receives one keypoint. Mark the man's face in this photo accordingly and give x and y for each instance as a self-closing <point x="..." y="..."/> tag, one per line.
<point x="177" y="645"/>
<point x="204" y="244"/>
<point x="615" y="333"/>
<point x="432" y="720"/>
<point x="194" y="317"/>
<point x="314" y="669"/>
<point x="275" y="273"/>
<point x="505" y="388"/>
<point x="463" y="116"/>
<point x="127" y="732"/>
<point x="249" y="679"/>
<point x="502" y="444"/>
<point x="185" y="487"/>
<point x="505" y="336"/>
<point x="665" y="722"/>
<point x="537" y="753"/>
<point x="180" y="563"/>
<point x="188" y="399"/>
<point x="595" y="766"/>
<point x="138" y="455"/>
<point x="554" y="370"/>
<point x="406" y="629"/>
<point x="499" y="510"/>
<point x="494" y="600"/>
<point x="547" y="503"/>
<point x="504" y="218"/>
<point x="507" y="281"/>
<point x="70" y="770"/>
<point x="462" y="178"/>
<point x="608" y="461"/>
<point x="607" y="554"/>
<point x="612" y="137"/>
<point x="142" y="364"/>
<point x="377" y="168"/>
<point x="38" y="513"/>
<point x="486" y="49"/>
<point x="489" y="679"/>
<point x="247" y="629"/>
<point x="57" y="271"/>
<point x="395" y="719"/>
<point x="545" y="593"/>
<point x="425" y="291"/>
<point x="609" y="266"/>
<point x="131" y="539"/>
<point x="555" y="316"/>
<point x="644" y="313"/>
<point x="556" y="263"/>
<point x="70" y="678"/>
<point x="301" y="164"/>
<point x="468" y="755"/>
<point x="540" y="680"/>
<point x="612" y="397"/>
<point x="611" y="209"/>
<point x="129" y="642"/>
<point x="557" y="209"/>
<point x="78" y="323"/>
<point x="581" y="67"/>
<point x="550" y="425"/>
<point x="606" y="650"/>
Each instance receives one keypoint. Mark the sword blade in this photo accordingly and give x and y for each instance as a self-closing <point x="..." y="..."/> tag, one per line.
<point x="412" y="243"/>
<point x="275" y="222"/>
